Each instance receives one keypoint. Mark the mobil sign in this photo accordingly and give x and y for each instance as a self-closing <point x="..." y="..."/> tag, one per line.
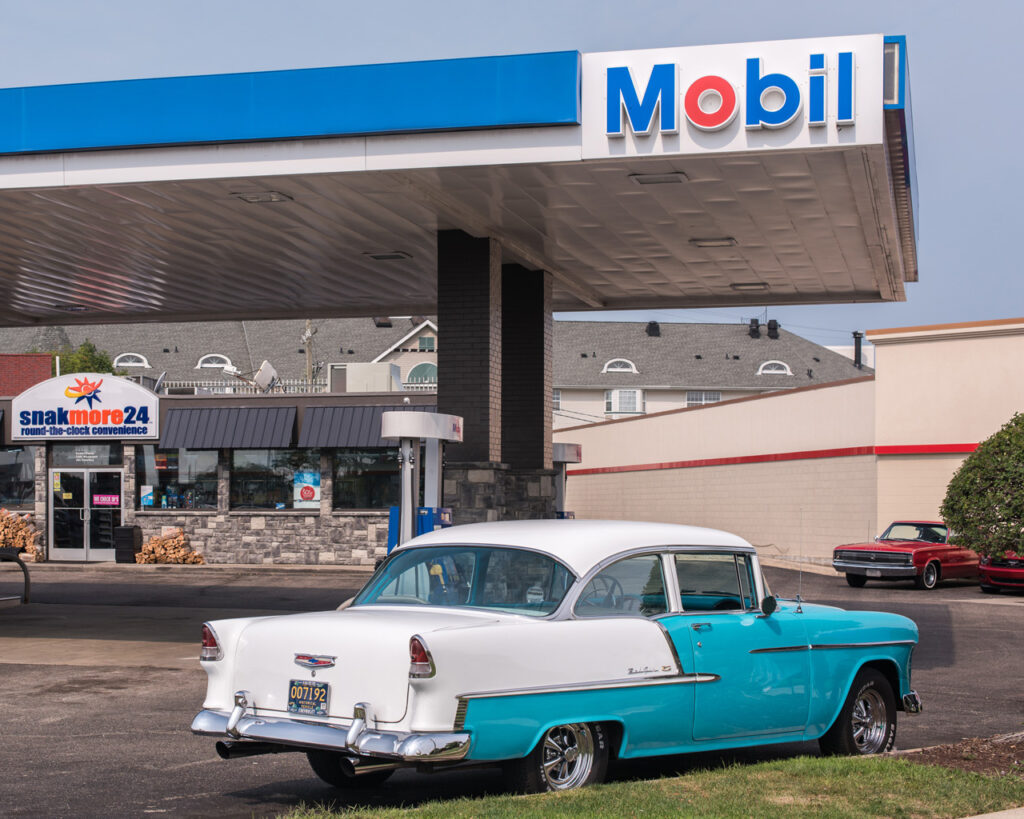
<point x="85" y="406"/>
<point x="743" y="97"/>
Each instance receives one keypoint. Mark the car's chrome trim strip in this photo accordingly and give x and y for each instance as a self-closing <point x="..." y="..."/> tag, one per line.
<point x="671" y="646"/>
<point x="675" y="679"/>
<point x="820" y="646"/>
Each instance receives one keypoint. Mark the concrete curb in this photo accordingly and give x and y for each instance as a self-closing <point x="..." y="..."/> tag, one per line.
<point x="195" y="571"/>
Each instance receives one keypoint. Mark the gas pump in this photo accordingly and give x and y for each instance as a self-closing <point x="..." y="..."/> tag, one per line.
<point x="411" y="429"/>
<point x="562" y="454"/>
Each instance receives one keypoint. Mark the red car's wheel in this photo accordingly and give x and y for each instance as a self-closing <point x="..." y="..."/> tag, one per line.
<point x="929" y="578"/>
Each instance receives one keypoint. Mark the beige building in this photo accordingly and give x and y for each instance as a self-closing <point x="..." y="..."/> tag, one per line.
<point x="800" y="471"/>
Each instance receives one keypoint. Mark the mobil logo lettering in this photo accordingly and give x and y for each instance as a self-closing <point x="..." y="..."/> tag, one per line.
<point x="761" y="98"/>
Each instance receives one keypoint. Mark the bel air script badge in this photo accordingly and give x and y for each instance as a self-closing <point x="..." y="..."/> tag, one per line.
<point x="315" y="660"/>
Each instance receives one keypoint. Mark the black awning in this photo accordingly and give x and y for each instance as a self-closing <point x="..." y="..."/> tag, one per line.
<point x="329" y="427"/>
<point x="228" y="428"/>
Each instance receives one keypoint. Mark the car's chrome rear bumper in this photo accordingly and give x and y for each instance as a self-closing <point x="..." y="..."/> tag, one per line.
<point x="912" y="703"/>
<point x="883" y="569"/>
<point x="356" y="739"/>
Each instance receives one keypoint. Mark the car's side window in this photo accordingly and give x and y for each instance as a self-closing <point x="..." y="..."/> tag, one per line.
<point x="632" y="586"/>
<point x="714" y="582"/>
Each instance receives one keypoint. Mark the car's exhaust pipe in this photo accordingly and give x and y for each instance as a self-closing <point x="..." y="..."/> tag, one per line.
<point x="236" y="750"/>
<point x="356" y="766"/>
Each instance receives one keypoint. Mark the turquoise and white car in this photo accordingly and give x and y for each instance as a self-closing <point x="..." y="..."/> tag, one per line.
<point x="549" y="647"/>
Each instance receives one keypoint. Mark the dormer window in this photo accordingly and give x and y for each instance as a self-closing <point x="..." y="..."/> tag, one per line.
<point x="774" y="368"/>
<point x="619" y="365"/>
<point x="214" y="361"/>
<point x="131" y="360"/>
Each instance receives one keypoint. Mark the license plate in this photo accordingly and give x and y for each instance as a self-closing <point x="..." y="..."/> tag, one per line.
<point x="873" y="573"/>
<point x="305" y="697"/>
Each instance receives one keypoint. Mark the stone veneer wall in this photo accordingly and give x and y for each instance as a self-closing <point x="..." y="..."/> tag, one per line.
<point x="489" y="491"/>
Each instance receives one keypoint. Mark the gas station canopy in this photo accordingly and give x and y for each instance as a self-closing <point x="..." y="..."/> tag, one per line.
<point x="755" y="173"/>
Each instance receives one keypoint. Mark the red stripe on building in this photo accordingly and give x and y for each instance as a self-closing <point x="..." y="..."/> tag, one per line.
<point x="846" y="452"/>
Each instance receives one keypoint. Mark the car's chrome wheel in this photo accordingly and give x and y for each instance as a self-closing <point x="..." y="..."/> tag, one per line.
<point x="870" y="723"/>
<point x="929" y="578"/>
<point x="568" y="756"/>
<point x="867" y="721"/>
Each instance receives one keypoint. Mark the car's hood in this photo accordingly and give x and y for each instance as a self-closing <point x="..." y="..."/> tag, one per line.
<point x="885" y="546"/>
<point x="368" y="646"/>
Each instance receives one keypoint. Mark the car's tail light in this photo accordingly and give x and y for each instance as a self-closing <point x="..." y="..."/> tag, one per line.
<point x="211" y="648"/>
<point x="421" y="664"/>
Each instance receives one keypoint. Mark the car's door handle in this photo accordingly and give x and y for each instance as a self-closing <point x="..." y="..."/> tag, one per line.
<point x="700" y="626"/>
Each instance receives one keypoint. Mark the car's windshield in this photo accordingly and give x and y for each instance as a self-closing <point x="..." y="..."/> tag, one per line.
<point x="511" y="580"/>
<point x="923" y="532"/>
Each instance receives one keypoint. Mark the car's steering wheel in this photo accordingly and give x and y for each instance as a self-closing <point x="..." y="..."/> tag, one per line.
<point x="603" y="591"/>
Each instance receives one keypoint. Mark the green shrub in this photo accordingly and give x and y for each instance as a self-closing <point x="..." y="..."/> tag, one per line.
<point x="984" y="503"/>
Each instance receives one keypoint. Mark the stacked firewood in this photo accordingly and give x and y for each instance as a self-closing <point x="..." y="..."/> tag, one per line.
<point x="19" y="532"/>
<point x="168" y="549"/>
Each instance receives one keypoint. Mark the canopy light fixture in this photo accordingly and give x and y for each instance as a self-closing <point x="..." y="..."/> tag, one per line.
<point x="388" y="256"/>
<point x="657" y="178"/>
<point x="717" y="241"/>
<point x="748" y="286"/>
<point x="263" y="197"/>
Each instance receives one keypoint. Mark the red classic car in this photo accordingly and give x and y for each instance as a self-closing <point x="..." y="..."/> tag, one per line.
<point x="1006" y="572"/>
<point x="908" y="549"/>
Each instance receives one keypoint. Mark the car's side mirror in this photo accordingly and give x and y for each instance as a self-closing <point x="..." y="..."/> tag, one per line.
<point x="768" y="605"/>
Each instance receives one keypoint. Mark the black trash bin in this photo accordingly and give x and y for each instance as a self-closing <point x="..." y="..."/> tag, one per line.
<point x="127" y="543"/>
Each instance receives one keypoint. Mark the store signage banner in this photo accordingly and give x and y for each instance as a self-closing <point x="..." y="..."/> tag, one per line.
<point x="84" y="406"/>
<point x="812" y="93"/>
<point x="307" y="490"/>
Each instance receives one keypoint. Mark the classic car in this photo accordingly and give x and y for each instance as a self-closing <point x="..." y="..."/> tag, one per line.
<point x="1004" y="572"/>
<point x="548" y="647"/>
<point x="918" y="550"/>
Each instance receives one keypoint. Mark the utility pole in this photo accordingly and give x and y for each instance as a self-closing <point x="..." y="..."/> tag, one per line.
<point x="307" y="339"/>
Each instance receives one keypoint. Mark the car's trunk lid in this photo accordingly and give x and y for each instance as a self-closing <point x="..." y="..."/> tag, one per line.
<point x="369" y="650"/>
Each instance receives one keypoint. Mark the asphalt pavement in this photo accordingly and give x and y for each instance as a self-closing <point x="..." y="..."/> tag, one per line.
<point x="101" y="682"/>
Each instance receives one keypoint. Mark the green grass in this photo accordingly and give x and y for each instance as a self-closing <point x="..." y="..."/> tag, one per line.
<point x="801" y="787"/>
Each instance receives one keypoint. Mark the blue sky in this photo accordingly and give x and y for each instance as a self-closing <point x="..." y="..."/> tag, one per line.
<point x="966" y="64"/>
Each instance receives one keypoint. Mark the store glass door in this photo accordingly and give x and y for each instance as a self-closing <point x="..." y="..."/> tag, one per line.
<point x="86" y="505"/>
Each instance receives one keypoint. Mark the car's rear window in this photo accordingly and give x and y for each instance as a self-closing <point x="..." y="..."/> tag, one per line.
<point x="506" y="579"/>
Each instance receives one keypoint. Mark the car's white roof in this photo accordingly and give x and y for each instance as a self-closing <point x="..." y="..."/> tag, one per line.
<point x="580" y="544"/>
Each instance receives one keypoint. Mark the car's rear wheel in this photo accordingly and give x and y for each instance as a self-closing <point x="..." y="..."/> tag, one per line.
<point x="567" y="757"/>
<point x="334" y="769"/>
<point x="867" y="722"/>
<point x="856" y="580"/>
<point x="929" y="578"/>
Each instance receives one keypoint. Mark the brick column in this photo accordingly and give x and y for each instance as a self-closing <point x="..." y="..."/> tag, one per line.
<point x="469" y="344"/>
<point x="526" y="328"/>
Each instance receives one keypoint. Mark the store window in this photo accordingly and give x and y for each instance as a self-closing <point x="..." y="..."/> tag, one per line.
<point x="17" y="478"/>
<point x="84" y="455"/>
<point x="175" y="478"/>
<point x="366" y="478"/>
<point x="275" y="479"/>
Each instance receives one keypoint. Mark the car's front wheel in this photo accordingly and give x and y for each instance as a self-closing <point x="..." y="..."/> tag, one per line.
<point x="929" y="578"/>
<point x="567" y="756"/>
<point x="856" y="580"/>
<point x="867" y="722"/>
<point x="334" y="769"/>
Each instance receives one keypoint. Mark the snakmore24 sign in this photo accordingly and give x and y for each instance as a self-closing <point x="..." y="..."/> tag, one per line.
<point x="84" y="406"/>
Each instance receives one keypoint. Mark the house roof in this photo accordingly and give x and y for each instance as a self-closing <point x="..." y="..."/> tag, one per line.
<point x="176" y="347"/>
<point x="691" y="356"/>
<point x="694" y="356"/>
